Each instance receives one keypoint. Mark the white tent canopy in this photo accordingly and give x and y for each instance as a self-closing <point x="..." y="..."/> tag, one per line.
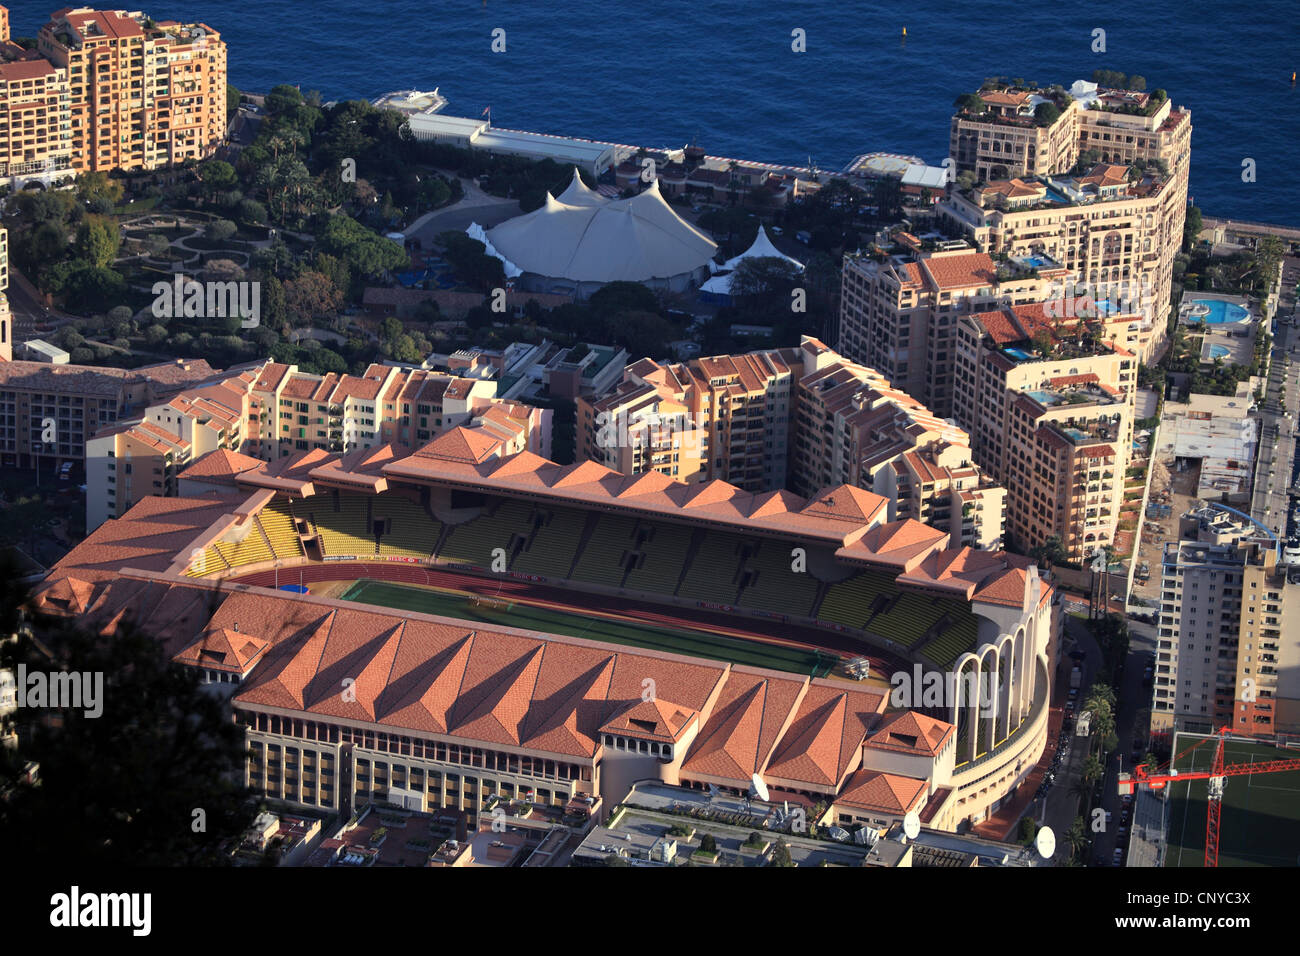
<point x="579" y="194"/>
<point x="584" y="237"/>
<point x="761" y="248"/>
<point x="475" y="231"/>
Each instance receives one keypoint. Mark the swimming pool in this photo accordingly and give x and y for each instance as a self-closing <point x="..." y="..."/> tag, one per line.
<point x="1220" y="312"/>
<point x="1219" y="352"/>
<point x="1020" y="355"/>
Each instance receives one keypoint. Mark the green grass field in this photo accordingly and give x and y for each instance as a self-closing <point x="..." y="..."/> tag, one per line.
<point x="1259" y="824"/>
<point x="673" y="640"/>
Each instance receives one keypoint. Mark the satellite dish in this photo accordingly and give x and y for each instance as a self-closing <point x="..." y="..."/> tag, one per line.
<point x="1046" y="843"/>
<point x="911" y="825"/>
<point x="758" y="788"/>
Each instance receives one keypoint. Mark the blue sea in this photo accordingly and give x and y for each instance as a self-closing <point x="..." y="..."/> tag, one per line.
<point x="723" y="74"/>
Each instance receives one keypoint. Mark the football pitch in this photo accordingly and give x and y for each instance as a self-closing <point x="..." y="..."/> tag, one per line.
<point x="1259" y="824"/>
<point x="696" y="643"/>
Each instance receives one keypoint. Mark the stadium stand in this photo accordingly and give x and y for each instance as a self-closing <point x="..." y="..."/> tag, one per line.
<point x="210" y="561"/>
<point x="907" y="620"/>
<point x="852" y="601"/>
<point x="344" y="523"/>
<point x="474" y="541"/>
<point x="604" y="555"/>
<point x="409" y="529"/>
<point x="251" y="550"/>
<point x="661" y="558"/>
<point x="278" y="525"/>
<point x="771" y="585"/>
<point x="552" y="544"/>
<point x="959" y="637"/>
<point x="714" y="572"/>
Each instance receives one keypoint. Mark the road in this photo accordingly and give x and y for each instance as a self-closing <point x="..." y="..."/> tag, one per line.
<point x="1061" y="805"/>
<point x="476" y="206"/>
<point x="1275" y="465"/>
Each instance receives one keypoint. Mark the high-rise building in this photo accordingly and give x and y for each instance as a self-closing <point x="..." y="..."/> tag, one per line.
<point x="1118" y="224"/>
<point x="1036" y="393"/>
<point x="142" y="94"/>
<point x="899" y="312"/>
<point x="1227" y="653"/>
<point x="824" y="422"/>
<point x="852" y="427"/>
<point x="1109" y="236"/>
<point x="727" y="417"/>
<point x="35" y="121"/>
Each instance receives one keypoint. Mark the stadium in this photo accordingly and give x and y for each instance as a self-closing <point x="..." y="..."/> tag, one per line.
<point x="444" y="626"/>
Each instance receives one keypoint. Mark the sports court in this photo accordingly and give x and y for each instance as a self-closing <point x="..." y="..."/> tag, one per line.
<point x="1259" y="824"/>
<point x="510" y="612"/>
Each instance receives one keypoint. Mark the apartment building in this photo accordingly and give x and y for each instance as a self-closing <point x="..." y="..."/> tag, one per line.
<point x="35" y="123"/>
<point x="1066" y="447"/>
<point x="293" y="411"/>
<point x="1007" y="138"/>
<point x="831" y="421"/>
<point x="899" y="312"/>
<point x="271" y="411"/>
<point x="1032" y="389"/>
<point x="127" y="462"/>
<point x="726" y="417"/>
<point x="141" y="94"/>
<point x="143" y="456"/>
<point x="1228" y="647"/>
<point x="1121" y="126"/>
<point x="853" y="427"/>
<point x="1127" y="246"/>
<point x="1113" y="231"/>
<point x="49" y="412"/>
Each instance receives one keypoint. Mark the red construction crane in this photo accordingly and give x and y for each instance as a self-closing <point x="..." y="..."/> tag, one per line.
<point x="1216" y="775"/>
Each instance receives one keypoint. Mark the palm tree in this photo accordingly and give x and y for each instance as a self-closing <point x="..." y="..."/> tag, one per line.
<point x="1076" y="838"/>
<point x="1093" y="769"/>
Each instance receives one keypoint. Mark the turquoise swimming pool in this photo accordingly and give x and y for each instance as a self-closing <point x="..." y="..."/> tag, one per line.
<point x="1220" y="313"/>
<point x="1219" y="352"/>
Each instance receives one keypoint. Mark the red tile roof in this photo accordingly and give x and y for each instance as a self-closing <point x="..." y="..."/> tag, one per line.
<point x="881" y="792"/>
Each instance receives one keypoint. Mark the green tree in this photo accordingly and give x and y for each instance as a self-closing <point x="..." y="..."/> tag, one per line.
<point x="161" y="747"/>
<point x="1045" y="114"/>
<point x="1076" y="838"/>
<point x="616" y="297"/>
<point x="217" y="175"/>
<point x="708" y="844"/>
<point x="1050" y="552"/>
<point x="366" y="252"/>
<point x="97" y="242"/>
<point x="781" y="854"/>
<point x="1093" y="769"/>
<point x="251" y="211"/>
<point x="98" y="186"/>
<point x="274" y="307"/>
